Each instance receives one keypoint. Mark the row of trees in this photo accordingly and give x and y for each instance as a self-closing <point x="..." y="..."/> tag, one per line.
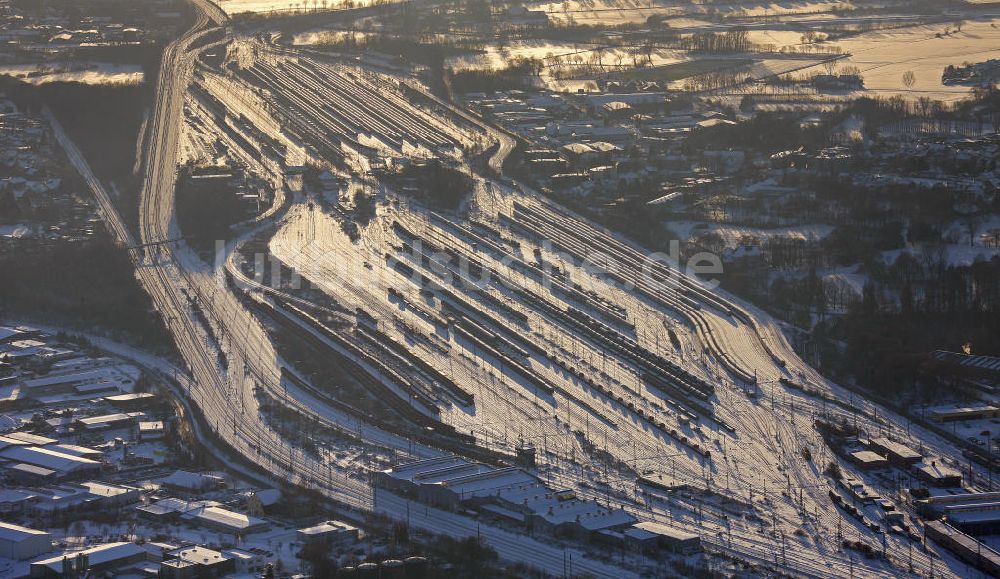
<point x="90" y="284"/>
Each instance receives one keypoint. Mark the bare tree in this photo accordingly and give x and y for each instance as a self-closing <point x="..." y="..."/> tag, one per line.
<point x="909" y="79"/>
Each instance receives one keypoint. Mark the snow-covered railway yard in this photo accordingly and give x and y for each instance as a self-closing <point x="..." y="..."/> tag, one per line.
<point x="584" y="404"/>
<point x="364" y="111"/>
<point x="628" y="381"/>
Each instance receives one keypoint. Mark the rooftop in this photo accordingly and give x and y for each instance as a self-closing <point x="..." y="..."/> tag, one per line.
<point x="198" y="555"/>
<point x="410" y="470"/>
<point x="647" y="529"/>
<point x="896" y="448"/>
<point x="11" y="532"/>
<point x="936" y="470"/>
<point x="223" y="517"/>
<point x="327" y="527"/>
<point x="98" y="555"/>
<point x="47" y="458"/>
<point x="867" y="456"/>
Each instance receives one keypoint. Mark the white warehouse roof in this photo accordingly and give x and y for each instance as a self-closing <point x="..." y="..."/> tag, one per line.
<point x="47" y="458"/>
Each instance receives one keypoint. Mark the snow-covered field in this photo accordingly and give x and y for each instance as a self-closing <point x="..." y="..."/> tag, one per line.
<point x="733" y="235"/>
<point x="883" y="57"/>
<point x="16" y="231"/>
<point x="84" y="72"/>
<point x="637" y="11"/>
<point x="605" y="11"/>
<point x="563" y="56"/>
<point x="237" y="6"/>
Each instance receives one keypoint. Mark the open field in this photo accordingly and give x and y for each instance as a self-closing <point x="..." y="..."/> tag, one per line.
<point x="637" y="11"/>
<point x="683" y="70"/>
<point x="883" y="57"/>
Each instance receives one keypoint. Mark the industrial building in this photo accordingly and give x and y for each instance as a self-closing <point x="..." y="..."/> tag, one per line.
<point x="193" y="481"/>
<point x="171" y="509"/>
<point x="62" y="464"/>
<point x="196" y="561"/>
<point x="448" y="481"/>
<point x="556" y="512"/>
<point x="935" y="506"/>
<point x="131" y="402"/>
<point x="980" y="519"/>
<point x="651" y="537"/>
<point x="225" y="520"/>
<point x="102" y="558"/>
<point x="519" y="497"/>
<point x="957" y="413"/>
<point x="16" y="501"/>
<point x="29" y="474"/>
<point x="107" y="421"/>
<point x="966" y="548"/>
<point x="89" y="495"/>
<point x="330" y="532"/>
<point x="20" y="543"/>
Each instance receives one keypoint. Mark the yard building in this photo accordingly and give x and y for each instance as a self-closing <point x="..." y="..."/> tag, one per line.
<point x="653" y="537"/>
<point x="868" y="460"/>
<point x="898" y="454"/>
<point x="938" y="475"/>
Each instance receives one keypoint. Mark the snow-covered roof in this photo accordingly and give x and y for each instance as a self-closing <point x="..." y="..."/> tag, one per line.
<point x="328" y="527"/>
<point x="130" y="396"/>
<point x="991" y="363"/>
<point x="225" y="518"/>
<point x="650" y="529"/>
<point x="15" y="496"/>
<point x="190" y="480"/>
<point x="172" y="505"/>
<point x="47" y="458"/>
<point x="99" y="555"/>
<point x="75" y="450"/>
<point x="25" y="468"/>
<point x="868" y="457"/>
<point x="85" y="377"/>
<point x="936" y="470"/>
<point x="29" y="438"/>
<point x="104" y="419"/>
<point x="7" y="333"/>
<point x="410" y="470"/>
<point x="17" y="533"/>
<point x="198" y="555"/>
<point x="588" y="514"/>
<point x="899" y="450"/>
<point x="488" y="482"/>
